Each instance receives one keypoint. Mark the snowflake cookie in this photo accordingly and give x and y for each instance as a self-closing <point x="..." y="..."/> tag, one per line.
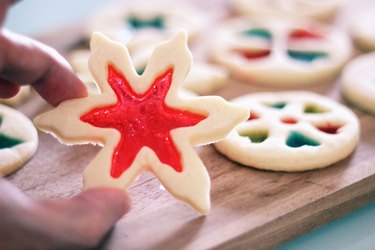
<point x="142" y="121"/>
<point x="18" y="140"/>
<point x="280" y="52"/>
<point x="291" y="131"/>
<point x="358" y="82"/>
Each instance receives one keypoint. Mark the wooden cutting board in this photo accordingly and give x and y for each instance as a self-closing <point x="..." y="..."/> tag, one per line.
<point x="250" y="208"/>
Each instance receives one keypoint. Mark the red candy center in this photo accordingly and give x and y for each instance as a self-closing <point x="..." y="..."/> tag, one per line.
<point x="143" y="120"/>
<point x="253" y="116"/>
<point x="329" y="128"/>
<point x="304" y="34"/>
<point x="289" y="120"/>
<point x="254" y="54"/>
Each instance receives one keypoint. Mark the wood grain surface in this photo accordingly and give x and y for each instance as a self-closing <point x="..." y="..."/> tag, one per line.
<point x="250" y="208"/>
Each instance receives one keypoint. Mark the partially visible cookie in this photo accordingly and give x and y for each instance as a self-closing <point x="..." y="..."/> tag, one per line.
<point x="358" y="82"/>
<point x="280" y="52"/>
<point x="203" y="77"/>
<point x="363" y="30"/>
<point x="322" y="10"/>
<point x="18" y="99"/>
<point x="142" y="24"/>
<point x="291" y="131"/>
<point x="18" y="140"/>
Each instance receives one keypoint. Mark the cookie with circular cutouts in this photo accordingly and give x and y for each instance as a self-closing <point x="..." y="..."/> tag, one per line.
<point x="322" y="10"/>
<point x="18" y="140"/>
<point x="362" y="29"/>
<point x="358" y="82"/>
<point x="291" y="131"/>
<point x="280" y="52"/>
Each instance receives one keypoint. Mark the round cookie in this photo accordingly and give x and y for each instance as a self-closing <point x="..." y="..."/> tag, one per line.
<point x="291" y="131"/>
<point x="18" y="140"/>
<point x="358" y="82"/>
<point x="322" y="10"/>
<point x="280" y="52"/>
<point x="142" y="24"/>
<point x="363" y="30"/>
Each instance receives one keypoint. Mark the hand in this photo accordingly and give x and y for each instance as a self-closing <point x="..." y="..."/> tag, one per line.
<point x="26" y="61"/>
<point x="80" y="222"/>
<point x="77" y="223"/>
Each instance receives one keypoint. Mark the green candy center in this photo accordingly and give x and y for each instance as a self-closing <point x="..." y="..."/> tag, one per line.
<point x="296" y="140"/>
<point x="256" y="136"/>
<point x="136" y="23"/>
<point x="7" y="141"/>
<point x="306" y="56"/>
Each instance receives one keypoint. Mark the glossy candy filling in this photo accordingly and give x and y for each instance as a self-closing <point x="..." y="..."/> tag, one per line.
<point x="298" y="34"/>
<point x="256" y="136"/>
<point x="253" y="54"/>
<point x="296" y="140"/>
<point x="277" y="105"/>
<point x="261" y="33"/>
<point x="289" y="120"/>
<point x="329" y="128"/>
<point x="143" y="120"/>
<point x="136" y="23"/>
<point x="253" y="116"/>
<point x="7" y="141"/>
<point x="306" y="56"/>
<point x="314" y="109"/>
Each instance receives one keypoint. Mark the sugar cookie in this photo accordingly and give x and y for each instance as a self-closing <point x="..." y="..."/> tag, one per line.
<point x="142" y="24"/>
<point x="203" y="77"/>
<point x="143" y="123"/>
<point x="363" y="30"/>
<point x="291" y="131"/>
<point x="358" y="82"/>
<point x="18" y="140"/>
<point x="281" y="52"/>
<point x="322" y="10"/>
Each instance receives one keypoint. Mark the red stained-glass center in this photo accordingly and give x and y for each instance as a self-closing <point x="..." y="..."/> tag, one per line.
<point x="143" y="120"/>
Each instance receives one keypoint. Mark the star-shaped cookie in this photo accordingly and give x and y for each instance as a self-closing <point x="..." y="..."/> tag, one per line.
<point x="143" y="123"/>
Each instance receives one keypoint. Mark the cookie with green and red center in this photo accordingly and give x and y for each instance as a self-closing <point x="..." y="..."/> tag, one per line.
<point x="280" y="52"/>
<point x="18" y="140"/>
<point x="291" y="131"/>
<point x="142" y="121"/>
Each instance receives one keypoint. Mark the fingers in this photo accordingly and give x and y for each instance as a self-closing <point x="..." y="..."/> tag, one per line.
<point x="84" y="220"/>
<point x="80" y="222"/>
<point x="8" y="89"/>
<point x="25" y="61"/>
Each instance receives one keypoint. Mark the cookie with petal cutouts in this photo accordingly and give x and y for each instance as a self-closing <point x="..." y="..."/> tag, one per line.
<point x="18" y="140"/>
<point x="358" y="82"/>
<point x="291" y="131"/>
<point x="280" y="52"/>
<point x="143" y="121"/>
